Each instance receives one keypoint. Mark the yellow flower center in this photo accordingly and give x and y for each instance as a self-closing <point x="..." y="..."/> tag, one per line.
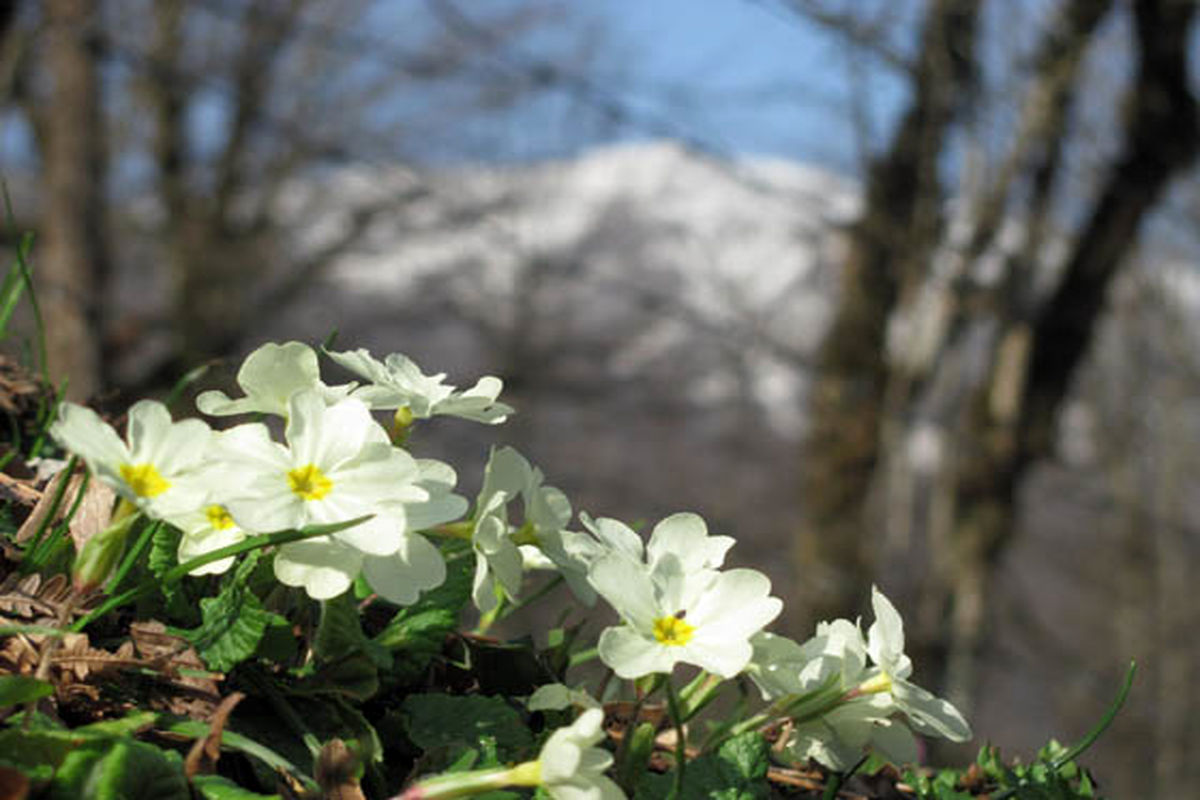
<point x="673" y="630"/>
<point x="309" y="482"/>
<point x="144" y="479"/>
<point x="219" y="518"/>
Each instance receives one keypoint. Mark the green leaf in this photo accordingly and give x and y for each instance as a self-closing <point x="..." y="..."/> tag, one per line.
<point x="33" y="748"/>
<point x="233" y="622"/>
<point x="120" y="769"/>
<point x="18" y="689"/>
<point x="237" y="742"/>
<point x="164" y="550"/>
<point x="452" y="722"/>
<point x="737" y="771"/>
<point x="123" y="726"/>
<point x="416" y="634"/>
<point x="347" y="662"/>
<point x="340" y="634"/>
<point x="215" y="787"/>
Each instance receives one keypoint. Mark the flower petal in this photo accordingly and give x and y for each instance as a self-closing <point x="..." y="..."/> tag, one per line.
<point x="324" y="568"/>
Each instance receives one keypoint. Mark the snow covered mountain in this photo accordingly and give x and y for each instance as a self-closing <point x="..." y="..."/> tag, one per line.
<point x="632" y="264"/>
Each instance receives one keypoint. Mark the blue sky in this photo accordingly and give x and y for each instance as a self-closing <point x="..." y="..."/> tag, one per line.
<point x="738" y="76"/>
<point x="765" y="81"/>
<point x="742" y="76"/>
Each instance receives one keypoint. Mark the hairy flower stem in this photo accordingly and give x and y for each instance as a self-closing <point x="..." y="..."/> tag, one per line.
<point x="466" y="784"/>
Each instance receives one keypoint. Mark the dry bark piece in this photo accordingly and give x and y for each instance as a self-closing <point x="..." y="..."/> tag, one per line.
<point x="16" y="490"/>
<point x="202" y="758"/>
<point x="335" y="772"/>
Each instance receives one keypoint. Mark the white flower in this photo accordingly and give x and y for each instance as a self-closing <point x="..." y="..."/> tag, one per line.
<point x="338" y="465"/>
<point x="397" y="382"/>
<point x="159" y="469"/>
<point x="557" y="696"/>
<point x="926" y="712"/>
<point x="781" y="667"/>
<point x="498" y="559"/>
<point x="416" y="567"/>
<point x="324" y="566"/>
<point x="840" y="737"/>
<point x="204" y="530"/>
<point x="676" y="607"/>
<point x="572" y="768"/>
<point x="270" y="376"/>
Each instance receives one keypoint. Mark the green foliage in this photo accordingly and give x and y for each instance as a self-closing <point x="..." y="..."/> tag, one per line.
<point x="737" y="771"/>
<point x="1047" y="778"/>
<point x="233" y="622"/>
<point x="120" y="770"/>
<point x="96" y="761"/>
<point x="449" y="728"/>
<point x="215" y="787"/>
<point x="18" y="689"/>
<point x="416" y="634"/>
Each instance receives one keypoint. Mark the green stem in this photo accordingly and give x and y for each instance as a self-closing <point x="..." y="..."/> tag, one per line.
<point x="680" y="742"/>
<point x="836" y="780"/>
<point x="487" y="620"/>
<point x="466" y="784"/>
<point x="178" y="572"/>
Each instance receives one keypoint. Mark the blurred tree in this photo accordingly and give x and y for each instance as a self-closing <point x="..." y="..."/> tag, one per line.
<point x="72" y="261"/>
<point x="226" y="120"/>
<point x="956" y="340"/>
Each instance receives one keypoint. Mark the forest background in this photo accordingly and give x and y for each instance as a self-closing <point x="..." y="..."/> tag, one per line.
<point x="897" y="292"/>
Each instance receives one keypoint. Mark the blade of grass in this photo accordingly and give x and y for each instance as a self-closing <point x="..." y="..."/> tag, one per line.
<point x="14" y="286"/>
<point x="1095" y="733"/>
<point x="1088" y="740"/>
<point x="187" y="380"/>
<point x="46" y="415"/>
<point x="27" y="279"/>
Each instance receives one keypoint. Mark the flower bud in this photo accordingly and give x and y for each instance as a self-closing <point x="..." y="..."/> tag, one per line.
<point x="100" y="554"/>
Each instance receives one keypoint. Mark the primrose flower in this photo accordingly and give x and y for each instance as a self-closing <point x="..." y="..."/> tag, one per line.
<point x="204" y="530"/>
<point x="572" y="767"/>
<point x="159" y="468"/>
<point x="569" y="767"/>
<point x="542" y="541"/>
<point x="841" y="736"/>
<point x="885" y="644"/>
<point x="781" y="667"/>
<point x="270" y="376"/>
<point x="398" y="383"/>
<point x="677" y="607"/>
<point x="497" y="557"/>
<point x="338" y="465"/>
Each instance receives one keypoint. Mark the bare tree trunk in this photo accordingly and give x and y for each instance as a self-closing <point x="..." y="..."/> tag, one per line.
<point x="71" y="267"/>
<point x="898" y="228"/>
<point x="1160" y="140"/>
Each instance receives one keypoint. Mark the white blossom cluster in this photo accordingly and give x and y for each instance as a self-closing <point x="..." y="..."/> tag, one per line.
<point x="337" y="463"/>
